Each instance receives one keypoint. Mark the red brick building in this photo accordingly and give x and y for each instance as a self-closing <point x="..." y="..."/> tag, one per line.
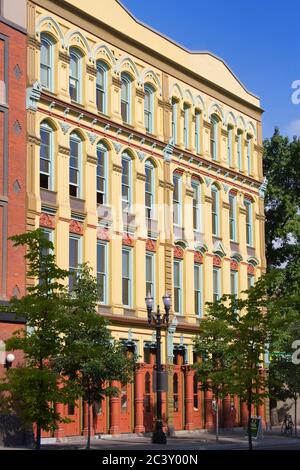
<point x="13" y="41"/>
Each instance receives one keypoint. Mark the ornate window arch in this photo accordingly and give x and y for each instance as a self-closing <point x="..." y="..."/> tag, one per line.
<point x="126" y="97"/>
<point x="47" y="61"/>
<point x="75" y="78"/>
<point x="102" y="86"/>
<point x="149" y="107"/>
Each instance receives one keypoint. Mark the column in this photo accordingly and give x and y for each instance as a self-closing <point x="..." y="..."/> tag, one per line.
<point x="209" y="421"/>
<point x="139" y="400"/>
<point x="227" y="412"/>
<point x="59" y="433"/>
<point x="244" y="414"/>
<point x="115" y="411"/>
<point x="189" y="398"/>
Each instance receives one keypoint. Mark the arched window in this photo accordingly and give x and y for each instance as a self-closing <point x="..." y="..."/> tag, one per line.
<point x="47" y="156"/>
<point x="102" y="193"/>
<point x="177" y="199"/>
<point x="149" y="108"/>
<point x="75" y="189"/>
<point x="197" y="131"/>
<point x="249" y="154"/>
<point x="240" y="150"/>
<point x="215" y="210"/>
<point x="174" y="120"/>
<point x="46" y="64"/>
<point x="175" y="392"/>
<point x="186" y="125"/>
<point x="214" y="137"/>
<point x="230" y="145"/>
<point x="126" y="181"/>
<point x="249" y="222"/>
<point x="75" y="78"/>
<point x="232" y="217"/>
<point x="196" y="205"/>
<point x="149" y="189"/>
<point x="101" y="87"/>
<point x="126" y="98"/>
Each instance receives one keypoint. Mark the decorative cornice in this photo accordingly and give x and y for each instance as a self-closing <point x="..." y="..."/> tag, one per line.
<point x="32" y="41"/>
<point x="64" y="57"/>
<point x="117" y="168"/>
<point x="116" y="81"/>
<point x="63" y="150"/>
<point x="92" y="159"/>
<point x="91" y="70"/>
<point x="140" y="93"/>
<point x="32" y="139"/>
<point x="141" y="176"/>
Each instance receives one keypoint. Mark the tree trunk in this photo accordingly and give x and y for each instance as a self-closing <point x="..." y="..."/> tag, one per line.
<point x="249" y="419"/>
<point x="217" y="419"/>
<point x="295" y="400"/>
<point x="88" y="442"/>
<point x="38" y="438"/>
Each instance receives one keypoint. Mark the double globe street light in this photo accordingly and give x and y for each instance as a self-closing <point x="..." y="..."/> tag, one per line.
<point x="159" y="436"/>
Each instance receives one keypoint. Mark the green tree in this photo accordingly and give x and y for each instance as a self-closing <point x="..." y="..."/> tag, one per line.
<point x="281" y="163"/>
<point x="93" y="358"/>
<point x="248" y="325"/>
<point x="212" y="345"/>
<point x="32" y="389"/>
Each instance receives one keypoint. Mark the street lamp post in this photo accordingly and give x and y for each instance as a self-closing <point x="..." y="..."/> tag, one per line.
<point x="9" y="360"/>
<point x="159" y="437"/>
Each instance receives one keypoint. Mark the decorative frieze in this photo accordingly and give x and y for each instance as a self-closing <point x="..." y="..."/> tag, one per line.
<point x="127" y="240"/>
<point x="47" y="221"/>
<point x="91" y="70"/>
<point x="178" y="252"/>
<point x="64" y="57"/>
<point x="103" y="234"/>
<point x="217" y="262"/>
<point x="140" y="93"/>
<point x="116" y="82"/>
<point x="198" y="257"/>
<point x="117" y="168"/>
<point x="76" y="227"/>
<point x="150" y="245"/>
<point x="141" y="177"/>
<point x="92" y="159"/>
<point x="234" y="265"/>
<point x="64" y="150"/>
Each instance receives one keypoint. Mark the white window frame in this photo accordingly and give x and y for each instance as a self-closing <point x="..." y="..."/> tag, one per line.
<point x="177" y="214"/>
<point x="104" y="151"/>
<point x="249" y="222"/>
<point x="101" y="67"/>
<point x="198" y="131"/>
<point x="151" y="256"/>
<point x="198" y="289"/>
<point x="214" y="138"/>
<point x="149" y="210"/>
<point x="105" y="273"/>
<point x="178" y="262"/>
<point x="230" y="146"/>
<point x="234" y="286"/>
<point x="186" y="126"/>
<point x="75" y="137"/>
<point x="130" y="276"/>
<point x="126" y="204"/>
<point x="174" y="120"/>
<point x="77" y="80"/>
<point x="79" y="239"/>
<point x="216" y="214"/>
<point x="48" y="67"/>
<point x="197" y="205"/>
<point x="149" y="112"/>
<point x="240" y="150"/>
<point x="232" y="220"/>
<point x="127" y="83"/>
<point x="217" y="288"/>
<point x="250" y="280"/>
<point x="249" y="154"/>
<point x="47" y="128"/>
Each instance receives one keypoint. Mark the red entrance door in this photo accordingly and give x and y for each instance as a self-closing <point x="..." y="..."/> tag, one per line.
<point x="126" y="405"/>
<point x="72" y="412"/>
<point x="100" y="417"/>
<point x="197" y="404"/>
<point x="149" y="401"/>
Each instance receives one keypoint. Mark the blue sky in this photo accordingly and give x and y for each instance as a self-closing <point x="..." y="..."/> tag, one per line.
<point x="259" y="40"/>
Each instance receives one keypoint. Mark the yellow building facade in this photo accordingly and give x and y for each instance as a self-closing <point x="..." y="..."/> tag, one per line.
<point x="144" y="160"/>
